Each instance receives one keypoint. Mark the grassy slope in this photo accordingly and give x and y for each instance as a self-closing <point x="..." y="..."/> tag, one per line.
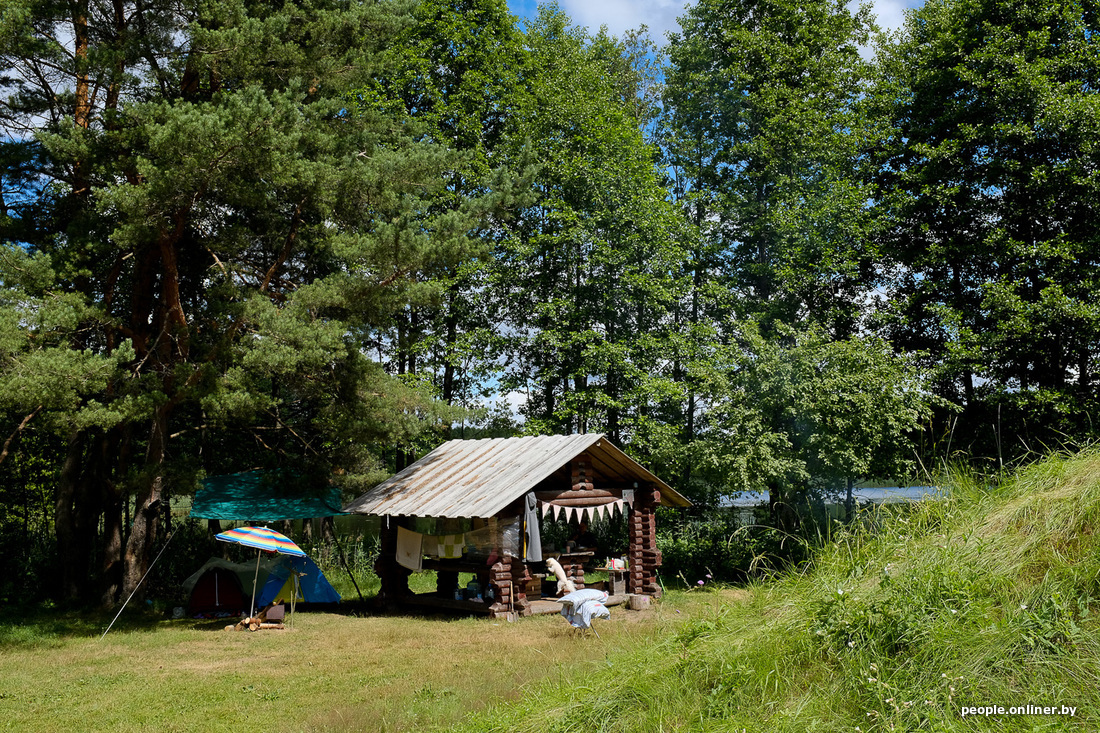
<point x="987" y="598"/>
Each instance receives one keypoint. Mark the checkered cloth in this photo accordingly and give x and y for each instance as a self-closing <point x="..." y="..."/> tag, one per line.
<point x="448" y="546"/>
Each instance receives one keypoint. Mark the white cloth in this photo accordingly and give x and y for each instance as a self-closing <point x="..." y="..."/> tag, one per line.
<point x="409" y="549"/>
<point x="580" y="607"/>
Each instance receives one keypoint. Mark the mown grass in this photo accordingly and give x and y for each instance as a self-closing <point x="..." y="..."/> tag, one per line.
<point x="329" y="672"/>
<point x="988" y="597"/>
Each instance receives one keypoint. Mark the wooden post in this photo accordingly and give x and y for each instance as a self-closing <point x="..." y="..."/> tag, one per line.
<point x="508" y="578"/>
<point x="521" y="576"/>
<point x="446" y="583"/>
<point x="393" y="578"/>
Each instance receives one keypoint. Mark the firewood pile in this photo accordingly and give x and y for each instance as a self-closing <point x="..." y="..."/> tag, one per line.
<point x="260" y="621"/>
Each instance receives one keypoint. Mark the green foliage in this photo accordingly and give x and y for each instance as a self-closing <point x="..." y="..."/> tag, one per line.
<point x="586" y="278"/>
<point x="713" y="545"/>
<point x="989" y="112"/>
<point x="215" y="237"/>
<point x="40" y="368"/>
<point x="790" y="417"/>
<point x="903" y="614"/>
<point x="764" y="134"/>
<point x="327" y="236"/>
<point x="458" y="77"/>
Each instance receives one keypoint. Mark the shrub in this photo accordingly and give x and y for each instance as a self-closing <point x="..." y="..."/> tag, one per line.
<point x="714" y="543"/>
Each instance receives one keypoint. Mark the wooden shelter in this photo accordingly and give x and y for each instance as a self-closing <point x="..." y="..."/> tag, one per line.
<point x="486" y="497"/>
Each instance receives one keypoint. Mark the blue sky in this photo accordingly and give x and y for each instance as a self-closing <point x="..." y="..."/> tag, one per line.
<point x="660" y="15"/>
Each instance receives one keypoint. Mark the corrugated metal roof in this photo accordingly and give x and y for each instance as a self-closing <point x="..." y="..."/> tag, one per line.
<point x="478" y="478"/>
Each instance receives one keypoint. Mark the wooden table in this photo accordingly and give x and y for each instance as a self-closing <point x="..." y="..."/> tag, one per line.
<point x="616" y="580"/>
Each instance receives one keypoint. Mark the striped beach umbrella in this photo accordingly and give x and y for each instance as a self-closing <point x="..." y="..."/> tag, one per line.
<point x="262" y="539"/>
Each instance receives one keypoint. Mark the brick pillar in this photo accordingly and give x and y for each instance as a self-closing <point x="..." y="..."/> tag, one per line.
<point x="642" y="552"/>
<point x="521" y="576"/>
<point x="500" y="576"/>
<point x="500" y="580"/>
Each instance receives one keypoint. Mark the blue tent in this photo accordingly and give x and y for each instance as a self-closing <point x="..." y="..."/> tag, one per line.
<point x="313" y="587"/>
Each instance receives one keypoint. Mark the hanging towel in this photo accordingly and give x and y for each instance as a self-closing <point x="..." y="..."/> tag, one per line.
<point x="451" y="546"/>
<point x="410" y="552"/>
<point x="532" y="540"/>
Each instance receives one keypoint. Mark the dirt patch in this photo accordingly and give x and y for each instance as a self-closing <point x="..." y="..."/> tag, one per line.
<point x="735" y="595"/>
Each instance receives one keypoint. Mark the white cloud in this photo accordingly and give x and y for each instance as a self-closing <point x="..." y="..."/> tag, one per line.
<point x="661" y="15"/>
<point x="621" y="15"/>
<point x="891" y="13"/>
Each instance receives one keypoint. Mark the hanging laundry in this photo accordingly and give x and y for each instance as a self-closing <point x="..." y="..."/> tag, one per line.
<point x="532" y="545"/>
<point x="450" y="546"/>
<point x="410" y="553"/>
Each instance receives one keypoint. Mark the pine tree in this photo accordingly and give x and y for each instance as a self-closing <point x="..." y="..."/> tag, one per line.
<point x="232" y="221"/>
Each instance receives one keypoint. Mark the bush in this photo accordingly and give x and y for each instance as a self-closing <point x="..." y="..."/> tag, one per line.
<point x="714" y="543"/>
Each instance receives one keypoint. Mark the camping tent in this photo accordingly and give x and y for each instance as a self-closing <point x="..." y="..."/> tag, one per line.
<point x="274" y="581"/>
<point x="313" y="586"/>
<point x="216" y="592"/>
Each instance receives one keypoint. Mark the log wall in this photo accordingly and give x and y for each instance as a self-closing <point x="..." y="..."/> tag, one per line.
<point x="643" y="554"/>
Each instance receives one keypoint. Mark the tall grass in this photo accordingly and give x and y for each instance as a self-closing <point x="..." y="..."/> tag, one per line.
<point x="987" y="597"/>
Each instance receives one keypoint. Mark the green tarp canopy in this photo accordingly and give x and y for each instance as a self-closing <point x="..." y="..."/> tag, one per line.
<point x="259" y="496"/>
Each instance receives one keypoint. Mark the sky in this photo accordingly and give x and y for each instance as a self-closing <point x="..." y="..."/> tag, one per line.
<point x="660" y="15"/>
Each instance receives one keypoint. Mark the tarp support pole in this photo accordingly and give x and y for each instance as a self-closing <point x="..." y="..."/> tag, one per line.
<point x="340" y="551"/>
<point x="170" y="536"/>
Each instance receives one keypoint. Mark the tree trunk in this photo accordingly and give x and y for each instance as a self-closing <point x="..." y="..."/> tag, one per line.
<point x="115" y="444"/>
<point x="448" y="391"/>
<point x="65" y="519"/>
<point x="82" y="105"/>
<point x="139" y="547"/>
<point x="112" y="546"/>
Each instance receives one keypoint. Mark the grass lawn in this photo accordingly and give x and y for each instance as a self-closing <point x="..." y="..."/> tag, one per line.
<point x="328" y="672"/>
<point x="910" y="621"/>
